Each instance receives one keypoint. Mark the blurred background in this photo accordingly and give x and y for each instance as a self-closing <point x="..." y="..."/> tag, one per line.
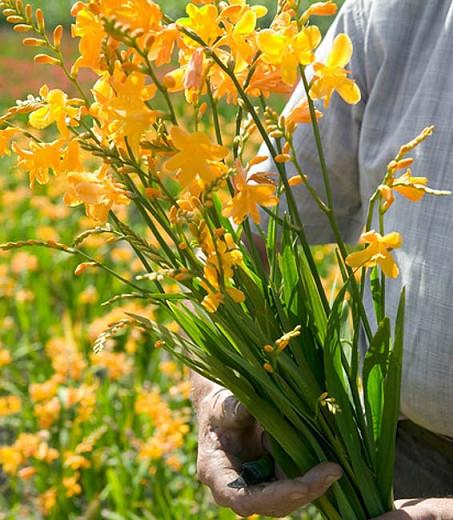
<point x="84" y="436"/>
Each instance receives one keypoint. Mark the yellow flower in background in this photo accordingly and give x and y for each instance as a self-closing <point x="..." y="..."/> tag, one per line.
<point x="10" y="405"/>
<point x="195" y="156"/>
<point x="72" y="485"/>
<point x="378" y="252"/>
<point x="288" y="48"/>
<point x="75" y="461"/>
<point x="44" y="391"/>
<point x="27" y="444"/>
<point x="46" y="453"/>
<point x="47" y="500"/>
<point x="47" y="412"/>
<point x="58" y="109"/>
<point x="10" y="459"/>
<point x="27" y="472"/>
<point x="117" y="364"/>
<point x="247" y="199"/>
<point x="333" y="77"/>
<point x="5" y="357"/>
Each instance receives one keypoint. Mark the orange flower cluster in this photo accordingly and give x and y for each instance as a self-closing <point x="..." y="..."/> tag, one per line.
<point x="169" y="428"/>
<point x="118" y="135"/>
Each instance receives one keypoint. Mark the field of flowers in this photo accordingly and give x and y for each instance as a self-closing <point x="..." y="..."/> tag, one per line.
<point x="83" y="435"/>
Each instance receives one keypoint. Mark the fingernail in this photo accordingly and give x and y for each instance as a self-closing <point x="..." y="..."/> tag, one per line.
<point x="330" y="479"/>
<point x="297" y="496"/>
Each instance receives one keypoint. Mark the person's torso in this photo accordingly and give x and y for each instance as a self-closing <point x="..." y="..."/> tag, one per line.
<point x="409" y="80"/>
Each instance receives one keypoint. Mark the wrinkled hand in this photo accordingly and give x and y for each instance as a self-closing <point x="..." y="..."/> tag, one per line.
<point x="421" y="509"/>
<point x="229" y="436"/>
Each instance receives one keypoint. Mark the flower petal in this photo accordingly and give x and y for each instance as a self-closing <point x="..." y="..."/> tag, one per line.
<point x="349" y="91"/>
<point x="341" y="51"/>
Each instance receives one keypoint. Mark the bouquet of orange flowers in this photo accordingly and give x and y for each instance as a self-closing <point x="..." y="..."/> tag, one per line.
<point x="267" y="332"/>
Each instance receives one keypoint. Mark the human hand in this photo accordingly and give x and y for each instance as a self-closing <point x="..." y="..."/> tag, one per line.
<point x="421" y="509"/>
<point x="230" y="436"/>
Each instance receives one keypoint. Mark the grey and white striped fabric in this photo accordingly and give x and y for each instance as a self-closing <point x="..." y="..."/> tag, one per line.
<point x="403" y="63"/>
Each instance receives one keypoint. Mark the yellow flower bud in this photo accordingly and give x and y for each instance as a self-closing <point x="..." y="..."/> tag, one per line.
<point x="83" y="267"/>
<point x="22" y="27"/>
<point x="282" y="158"/>
<point x="46" y="59"/>
<point x="57" y="36"/>
<point x="295" y="181"/>
<point x="33" y="42"/>
<point x="40" y="19"/>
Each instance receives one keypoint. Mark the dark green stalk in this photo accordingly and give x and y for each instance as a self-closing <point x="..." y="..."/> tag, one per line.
<point x="330" y="213"/>
<point x="162" y="89"/>
<point x="215" y="115"/>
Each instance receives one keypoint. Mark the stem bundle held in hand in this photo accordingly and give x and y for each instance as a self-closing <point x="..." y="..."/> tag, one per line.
<point x="255" y="319"/>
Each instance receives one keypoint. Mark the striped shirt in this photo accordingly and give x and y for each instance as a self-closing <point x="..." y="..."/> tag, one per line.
<point x="403" y="64"/>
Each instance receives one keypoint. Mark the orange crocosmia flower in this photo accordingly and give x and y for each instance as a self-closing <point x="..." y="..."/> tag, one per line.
<point x="10" y="405"/>
<point x="47" y="500"/>
<point x="121" y="106"/>
<point x="89" y="28"/>
<point x="332" y="76"/>
<point x="239" y="20"/>
<point x="288" y="48"/>
<point x="57" y="109"/>
<point x="247" y="199"/>
<point x="72" y="485"/>
<point x="96" y="191"/>
<point x="163" y="45"/>
<point x="319" y="9"/>
<point x="71" y="160"/>
<point x="203" y="21"/>
<point x="196" y="155"/>
<point x="10" y="459"/>
<point x="135" y="14"/>
<point x="414" y="188"/>
<point x="39" y="160"/>
<point x="377" y="252"/>
<point x="300" y="114"/>
<point x="267" y="80"/>
<point x="5" y="137"/>
<point x="193" y="79"/>
<point x="212" y="300"/>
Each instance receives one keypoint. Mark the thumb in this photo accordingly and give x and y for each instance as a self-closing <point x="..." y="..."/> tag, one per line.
<point x="228" y="412"/>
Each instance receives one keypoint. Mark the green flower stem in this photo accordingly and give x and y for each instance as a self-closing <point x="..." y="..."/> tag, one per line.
<point x="162" y="89"/>
<point x="330" y="213"/>
<point x="150" y="223"/>
<point x="215" y="114"/>
<point x="289" y="194"/>
<point x="136" y="249"/>
<point x="110" y="271"/>
<point x="381" y="231"/>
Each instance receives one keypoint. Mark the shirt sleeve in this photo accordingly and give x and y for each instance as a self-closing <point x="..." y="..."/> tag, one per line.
<point x="340" y="134"/>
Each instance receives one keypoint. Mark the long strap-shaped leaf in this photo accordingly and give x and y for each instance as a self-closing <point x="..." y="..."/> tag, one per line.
<point x="391" y="410"/>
